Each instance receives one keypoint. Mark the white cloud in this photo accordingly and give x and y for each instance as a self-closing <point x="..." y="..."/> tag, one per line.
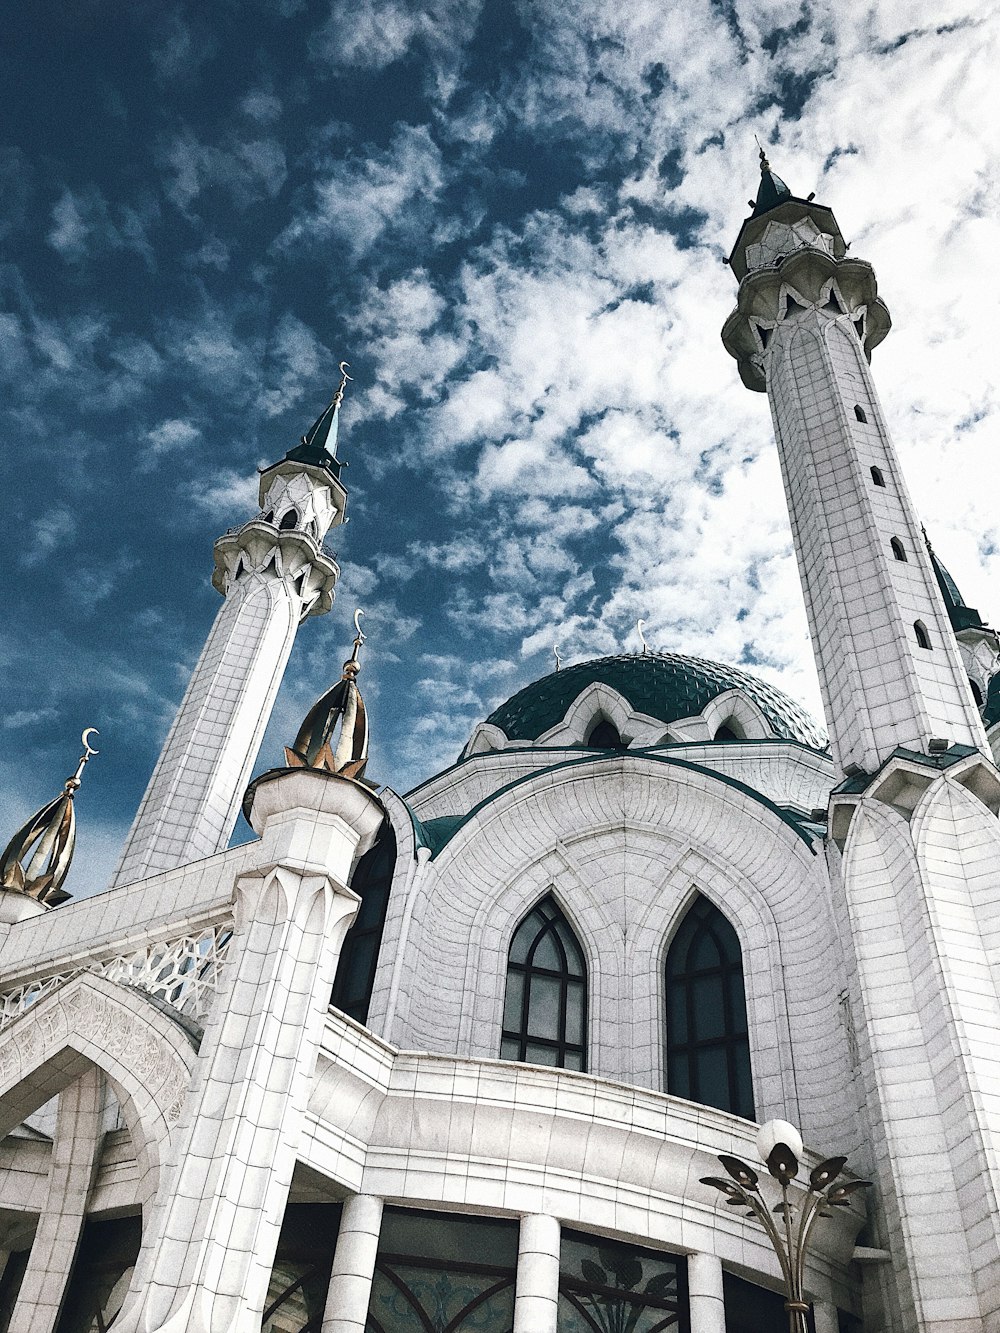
<point x="362" y="196"/>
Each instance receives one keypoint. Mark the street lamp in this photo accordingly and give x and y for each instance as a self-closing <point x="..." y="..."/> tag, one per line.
<point x="780" y="1146"/>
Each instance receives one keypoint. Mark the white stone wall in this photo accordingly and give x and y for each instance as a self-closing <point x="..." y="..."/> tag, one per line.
<point x="623" y="844"/>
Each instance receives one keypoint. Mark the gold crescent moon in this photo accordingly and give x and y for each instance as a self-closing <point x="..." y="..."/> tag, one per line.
<point x="357" y="620"/>
<point x="89" y="731"/>
<point x="343" y="368"/>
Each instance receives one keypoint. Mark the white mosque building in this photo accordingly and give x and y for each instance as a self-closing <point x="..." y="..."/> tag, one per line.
<point x="458" y="1062"/>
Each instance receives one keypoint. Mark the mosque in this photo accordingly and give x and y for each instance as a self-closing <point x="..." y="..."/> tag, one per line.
<point x="464" y="1061"/>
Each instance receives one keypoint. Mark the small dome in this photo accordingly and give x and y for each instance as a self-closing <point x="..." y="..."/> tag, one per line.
<point x="665" y="686"/>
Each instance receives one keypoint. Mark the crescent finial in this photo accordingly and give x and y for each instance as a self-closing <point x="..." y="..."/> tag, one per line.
<point x="73" y="783"/>
<point x="357" y="624"/>
<point x="345" y="379"/>
<point x="642" y="638"/>
<point x="555" y="654"/>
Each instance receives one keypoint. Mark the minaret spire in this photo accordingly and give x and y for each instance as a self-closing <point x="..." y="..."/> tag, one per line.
<point x="273" y="572"/>
<point x="806" y="320"/>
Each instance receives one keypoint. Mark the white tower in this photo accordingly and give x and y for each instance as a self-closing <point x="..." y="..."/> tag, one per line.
<point x="806" y="320"/>
<point x="273" y="572"/>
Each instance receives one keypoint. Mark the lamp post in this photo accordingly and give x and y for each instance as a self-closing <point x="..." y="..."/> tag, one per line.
<point x="780" y="1147"/>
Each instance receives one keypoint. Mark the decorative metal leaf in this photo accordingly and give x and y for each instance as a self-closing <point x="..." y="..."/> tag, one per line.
<point x="782" y="1163"/>
<point x="719" y="1183"/>
<point x="840" y="1194"/>
<point x="594" y="1273"/>
<point x="739" y="1171"/>
<point x="826" y="1172"/>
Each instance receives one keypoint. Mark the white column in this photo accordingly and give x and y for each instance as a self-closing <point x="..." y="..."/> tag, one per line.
<point x="350" y="1289"/>
<point x="825" y="1317"/>
<point x="536" y="1301"/>
<point x="706" y="1304"/>
<point x="209" y="1247"/>
<point x="75" y="1154"/>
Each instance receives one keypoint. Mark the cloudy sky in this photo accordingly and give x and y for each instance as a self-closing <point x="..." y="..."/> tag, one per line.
<point x="511" y="219"/>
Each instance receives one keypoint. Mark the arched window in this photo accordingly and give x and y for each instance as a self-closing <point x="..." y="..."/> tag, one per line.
<point x="977" y="693"/>
<point x="545" y="1008"/>
<point x="289" y="518"/>
<point x="877" y="477"/>
<point x="922" y="637"/>
<point x="730" y="730"/>
<point x="898" y="549"/>
<point x="352" y="988"/>
<point x="859" y="412"/>
<point x="605" y="736"/>
<point x="708" y="1050"/>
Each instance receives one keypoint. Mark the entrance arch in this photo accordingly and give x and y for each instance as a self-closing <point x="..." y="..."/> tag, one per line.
<point x="147" y="1058"/>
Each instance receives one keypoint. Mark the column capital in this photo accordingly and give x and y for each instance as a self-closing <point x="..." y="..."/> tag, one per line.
<point x="311" y="821"/>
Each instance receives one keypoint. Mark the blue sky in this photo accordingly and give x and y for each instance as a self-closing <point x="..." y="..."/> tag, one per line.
<point x="510" y="218"/>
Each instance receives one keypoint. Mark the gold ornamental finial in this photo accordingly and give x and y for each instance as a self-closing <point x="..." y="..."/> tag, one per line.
<point x="642" y="638"/>
<point x="47" y="839"/>
<point x="764" y="164"/>
<point x="341" y="705"/>
<point x="555" y="654"/>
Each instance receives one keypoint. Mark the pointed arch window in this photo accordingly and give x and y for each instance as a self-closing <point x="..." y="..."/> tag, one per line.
<point x="289" y="519"/>
<point x="920" y="634"/>
<point x="708" y="1049"/>
<point x="605" y="735"/>
<point x="898" y="549"/>
<point x="877" y="476"/>
<point x="372" y="880"/>
<point x="545" y="1006"/>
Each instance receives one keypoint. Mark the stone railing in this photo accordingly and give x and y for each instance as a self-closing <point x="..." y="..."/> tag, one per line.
<point x="182" y="972"/>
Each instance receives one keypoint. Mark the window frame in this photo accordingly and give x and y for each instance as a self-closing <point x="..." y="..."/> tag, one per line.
<point x="526" y="970"/>
<point x="733" y="1041"/>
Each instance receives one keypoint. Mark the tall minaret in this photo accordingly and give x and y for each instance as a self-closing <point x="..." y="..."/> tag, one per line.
<point x="807" y="317"/>
<point x="273" y="572"/>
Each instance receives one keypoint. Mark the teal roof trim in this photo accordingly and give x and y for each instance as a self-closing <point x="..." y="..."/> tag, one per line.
<point x="446" y="826"/>
<point x="860" y="782"/>
<point x="960" y="615"/>
<point x="665" y="686"/>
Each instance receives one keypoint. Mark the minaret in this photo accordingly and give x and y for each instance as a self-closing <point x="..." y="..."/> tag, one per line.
<point x="273" y="572"/>
<point x="806" y="320"/>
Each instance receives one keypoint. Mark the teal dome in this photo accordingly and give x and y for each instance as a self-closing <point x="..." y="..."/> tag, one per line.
<point x="666" y="686"/>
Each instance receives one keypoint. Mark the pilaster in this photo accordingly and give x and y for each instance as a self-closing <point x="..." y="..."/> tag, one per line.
<point x="75" y="1155"/>
<point x="209" y="1247"/>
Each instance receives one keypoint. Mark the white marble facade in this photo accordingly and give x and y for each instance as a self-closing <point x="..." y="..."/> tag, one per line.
<point x="198" y="1141"/>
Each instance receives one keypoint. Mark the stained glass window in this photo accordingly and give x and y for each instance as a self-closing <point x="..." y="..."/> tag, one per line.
<point x="300" y="1277"/>
<point x="545" y="1005"/>
<point x="372" y="878"/>
<point x="437" y="1273"/>
<point x="608" y="1287"/>
<point x="708" y="1049"/>
<point x="101" y="1274"/>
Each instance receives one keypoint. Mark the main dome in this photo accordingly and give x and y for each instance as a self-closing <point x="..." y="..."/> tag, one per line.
<point x="665" y="686"/>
